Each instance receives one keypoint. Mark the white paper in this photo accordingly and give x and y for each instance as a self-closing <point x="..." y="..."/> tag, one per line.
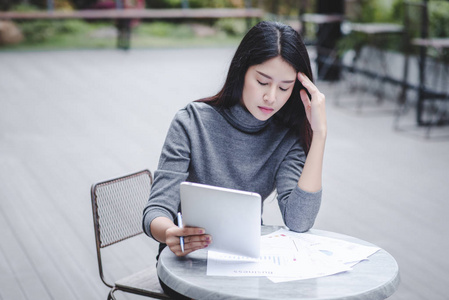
<point x="287" y="256"/>
<point x="222" y="264"/>
<point x="311" y="264"/>
<point x="338" y="250"/>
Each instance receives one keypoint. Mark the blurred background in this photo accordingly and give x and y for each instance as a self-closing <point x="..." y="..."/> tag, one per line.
<point x="86" y="96"/>
<point x="38" y="33"/>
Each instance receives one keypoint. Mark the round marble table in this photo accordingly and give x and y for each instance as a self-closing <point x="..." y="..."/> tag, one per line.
<point x="376" y="278"/>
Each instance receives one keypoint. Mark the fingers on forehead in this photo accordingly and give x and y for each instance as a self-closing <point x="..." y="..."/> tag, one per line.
<point x="309" y="85"/>
<point x="306" y="82"/>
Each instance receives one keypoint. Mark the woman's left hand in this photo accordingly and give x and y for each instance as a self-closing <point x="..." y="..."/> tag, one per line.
<point x="315" y="107"/>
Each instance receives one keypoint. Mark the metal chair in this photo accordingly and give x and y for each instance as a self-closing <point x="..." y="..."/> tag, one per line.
<point x="429" y="54"/>
<point x="117" y="207"/>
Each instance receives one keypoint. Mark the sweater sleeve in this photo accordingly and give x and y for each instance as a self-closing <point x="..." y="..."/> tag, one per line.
<point x="173" y="169"/>
<point x="299" y="208"/>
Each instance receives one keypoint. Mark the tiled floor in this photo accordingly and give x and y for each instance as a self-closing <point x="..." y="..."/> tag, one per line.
<point x="72" y="118"/>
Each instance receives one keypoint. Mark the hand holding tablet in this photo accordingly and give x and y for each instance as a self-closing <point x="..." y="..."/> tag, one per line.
<point x="231" y="217"/>
<point x="185" y="240"/>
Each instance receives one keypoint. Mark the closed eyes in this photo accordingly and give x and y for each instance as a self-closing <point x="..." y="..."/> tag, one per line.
<point x="265" y="83"/>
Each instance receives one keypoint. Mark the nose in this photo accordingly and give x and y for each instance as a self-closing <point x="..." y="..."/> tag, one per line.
<point x="270" y="96"/>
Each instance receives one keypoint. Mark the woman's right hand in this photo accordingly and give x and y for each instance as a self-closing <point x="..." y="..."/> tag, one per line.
<point x="194" y="239"/>
<point x="314" y="106"/>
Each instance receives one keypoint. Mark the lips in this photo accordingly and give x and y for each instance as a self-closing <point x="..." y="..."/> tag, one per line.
<point x="266" y="110"/>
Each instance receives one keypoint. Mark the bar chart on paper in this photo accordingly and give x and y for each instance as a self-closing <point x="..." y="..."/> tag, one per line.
<point x="288" y="256"/>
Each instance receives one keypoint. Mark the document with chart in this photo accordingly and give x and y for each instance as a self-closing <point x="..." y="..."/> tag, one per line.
<point x="287" y="256"/>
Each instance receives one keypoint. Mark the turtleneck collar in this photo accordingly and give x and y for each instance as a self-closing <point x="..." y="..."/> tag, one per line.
<point x="242" y="119"/>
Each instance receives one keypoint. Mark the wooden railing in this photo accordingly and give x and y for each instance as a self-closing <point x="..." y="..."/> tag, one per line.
<point x="124" y="16"/>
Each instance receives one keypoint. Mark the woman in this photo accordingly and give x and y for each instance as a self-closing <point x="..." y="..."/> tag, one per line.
<point x="264" y="131"/>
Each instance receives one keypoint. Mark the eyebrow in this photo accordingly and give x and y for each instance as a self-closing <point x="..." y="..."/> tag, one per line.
<point x="269" y="77"/>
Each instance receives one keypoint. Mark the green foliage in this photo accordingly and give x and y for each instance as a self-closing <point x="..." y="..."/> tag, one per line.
<point x="380" y="11"/>
<point x="165" y="29"/>
<point x="439" y="25"/>
<point x="210" y="3"/>
<point x="439" y="19"/>
<point x="73" y="27"/>
<point x="41" y="30"/>
<point x="146" y="34"/>
<point x="286" y="7"/>
<point x="368" y="11"/>
<point x="232" y="27"/>
<point x="36" y="31"/>
<point x="438" y="14"/>
<point x="393" y="12"/>
<point x="25" y="7"/>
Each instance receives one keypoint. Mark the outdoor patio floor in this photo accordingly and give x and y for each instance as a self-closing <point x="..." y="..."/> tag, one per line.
<point x="69" y="119"/>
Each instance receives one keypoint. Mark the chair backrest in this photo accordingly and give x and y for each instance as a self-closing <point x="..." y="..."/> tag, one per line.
<point x="117" y="207"/>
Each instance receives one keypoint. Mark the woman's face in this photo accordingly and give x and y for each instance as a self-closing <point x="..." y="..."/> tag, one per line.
<point x="267" y="87"/>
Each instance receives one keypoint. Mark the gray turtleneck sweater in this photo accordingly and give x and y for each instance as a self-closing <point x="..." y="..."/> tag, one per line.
<point x="230" y="148"/>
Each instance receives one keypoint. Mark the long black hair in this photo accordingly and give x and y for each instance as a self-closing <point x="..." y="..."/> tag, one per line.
<point x="264" y="41"/>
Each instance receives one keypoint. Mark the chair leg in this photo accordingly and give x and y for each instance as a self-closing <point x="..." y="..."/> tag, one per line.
<point x="111" y="294"/>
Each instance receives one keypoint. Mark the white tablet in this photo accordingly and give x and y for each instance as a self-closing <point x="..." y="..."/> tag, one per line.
<point x="231" y="217"/>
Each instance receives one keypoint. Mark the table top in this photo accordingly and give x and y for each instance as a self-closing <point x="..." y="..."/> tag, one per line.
<point x="322" y="18"/>
<point x="376" y="278"/>
<point x="437" y="43"/>
<point x="376" y="28"/>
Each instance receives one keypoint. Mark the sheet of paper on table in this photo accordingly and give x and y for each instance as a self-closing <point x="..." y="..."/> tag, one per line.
<point x="288" y="256"/>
